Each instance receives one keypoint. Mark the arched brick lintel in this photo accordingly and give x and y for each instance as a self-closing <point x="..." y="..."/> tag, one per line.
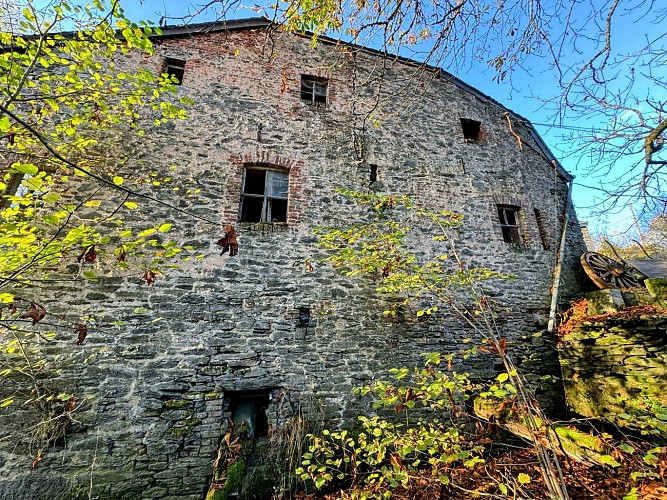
<point x="269" y="159"/>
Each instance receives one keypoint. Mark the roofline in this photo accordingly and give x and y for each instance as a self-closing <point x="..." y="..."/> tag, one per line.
<point x="264" y="23"/>
<point x="187" y="30"/>
<point x="213" y="26"/>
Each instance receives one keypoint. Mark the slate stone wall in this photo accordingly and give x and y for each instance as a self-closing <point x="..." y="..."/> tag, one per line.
<point x="615" y="363"/>
<point x="162" y="379"/>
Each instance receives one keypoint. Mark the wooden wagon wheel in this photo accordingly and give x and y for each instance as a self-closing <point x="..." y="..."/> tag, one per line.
<point x="609" y="273"/>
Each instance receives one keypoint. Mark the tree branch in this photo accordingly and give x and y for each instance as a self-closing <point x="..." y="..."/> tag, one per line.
<point x="101" y="179"/>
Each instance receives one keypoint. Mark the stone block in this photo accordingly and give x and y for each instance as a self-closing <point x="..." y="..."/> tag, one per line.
<point x="657" y="287"/>
<point x="605" y="301"/>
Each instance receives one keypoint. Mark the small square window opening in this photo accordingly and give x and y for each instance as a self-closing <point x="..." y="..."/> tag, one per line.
<point x="472" y="130"/>
<point x="175" y="68"/>
<point x="314" y="90"/>
<point x="373" y="173"/>
<point x="264" y="196"/>
<point x="509" y="223"/>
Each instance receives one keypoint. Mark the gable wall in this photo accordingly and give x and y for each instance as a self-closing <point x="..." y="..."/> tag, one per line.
<point x="231" y="323"/>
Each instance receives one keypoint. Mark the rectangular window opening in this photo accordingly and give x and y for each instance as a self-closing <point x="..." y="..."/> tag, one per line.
<point x="373" y="173"/>
<point x="472" y="130"/>
<point x="544" y="236"/>
<point x="314" y="90"/>
<point x="265" y="196"/>
<point x="249" y="408"/>
<point x="175" y="68"/>
<point x="509" y="223"/>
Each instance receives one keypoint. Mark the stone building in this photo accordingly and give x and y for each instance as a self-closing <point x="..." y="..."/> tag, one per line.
<point x="277" y="126"/>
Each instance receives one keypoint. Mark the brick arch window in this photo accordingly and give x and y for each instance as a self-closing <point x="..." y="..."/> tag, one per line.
<point x="264" y="194"/>
<point x="510" y="223"/>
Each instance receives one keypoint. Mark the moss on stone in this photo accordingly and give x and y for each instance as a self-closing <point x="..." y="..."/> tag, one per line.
<point x="657" y="287"/>
<point x="191" y="422"/>
<point x="176" y="403"/>
<point x="234" y="476"/>
<point x="178" y="431"/>
<point x="216" y="495"/>
<point x="604" y="301"/>
<point x="610" y="365"/>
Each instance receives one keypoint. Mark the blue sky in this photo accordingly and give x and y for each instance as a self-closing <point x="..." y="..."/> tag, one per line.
<point x="534" y="82"/>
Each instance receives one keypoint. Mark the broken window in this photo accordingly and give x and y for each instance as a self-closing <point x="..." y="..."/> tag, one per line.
<point x="472" y="130"/>
<point x="175" y="68"/>
<point x="264" y="196"/>
<point x="509" y="223"/>
<point x="313" y="89"/>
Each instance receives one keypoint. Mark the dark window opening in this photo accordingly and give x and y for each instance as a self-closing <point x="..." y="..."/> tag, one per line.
<point x="175" y="68"/>
<point x="544" y="236"/>
<point x="472" y="130"/>
<point x="314" y="90"/>
<point x="374" y="173"/>
<point x="304" y="316"/>
<point x="265" y="195"/>
<point x="509" y="223"/>
<point x="250" y="407"/>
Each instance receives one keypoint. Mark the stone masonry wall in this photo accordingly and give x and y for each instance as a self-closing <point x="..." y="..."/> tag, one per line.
<point x="615" y="361"/>
<point x="222" y="325"/>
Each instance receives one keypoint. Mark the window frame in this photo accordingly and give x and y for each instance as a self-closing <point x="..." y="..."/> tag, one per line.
<point x="267" y="198"/>
<point x="507" y="228"/>
<point x="310" y="95"/>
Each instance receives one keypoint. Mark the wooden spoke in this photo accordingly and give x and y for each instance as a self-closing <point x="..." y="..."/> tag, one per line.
<point x="609" y="273"/>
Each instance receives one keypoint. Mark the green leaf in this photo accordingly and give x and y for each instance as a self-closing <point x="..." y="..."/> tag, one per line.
<point x="632" y="495"/>
<point x="626" y="448"/>
<point x="51" y="197"/>
<point x="25" y="168"/>
<point x="503" y="377"/>
<point x="141" y="310"/>
<point x="5" y="124"/>
<point x="164" y="228"/>
<point x="609" y="460"/>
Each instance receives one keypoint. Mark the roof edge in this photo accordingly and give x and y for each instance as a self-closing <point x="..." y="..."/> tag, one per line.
<point x="263" y="23"/>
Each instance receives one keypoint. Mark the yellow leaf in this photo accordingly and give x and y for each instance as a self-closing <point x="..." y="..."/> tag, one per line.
<point x="93" y="203"/>
<point x="523" y="478"/>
